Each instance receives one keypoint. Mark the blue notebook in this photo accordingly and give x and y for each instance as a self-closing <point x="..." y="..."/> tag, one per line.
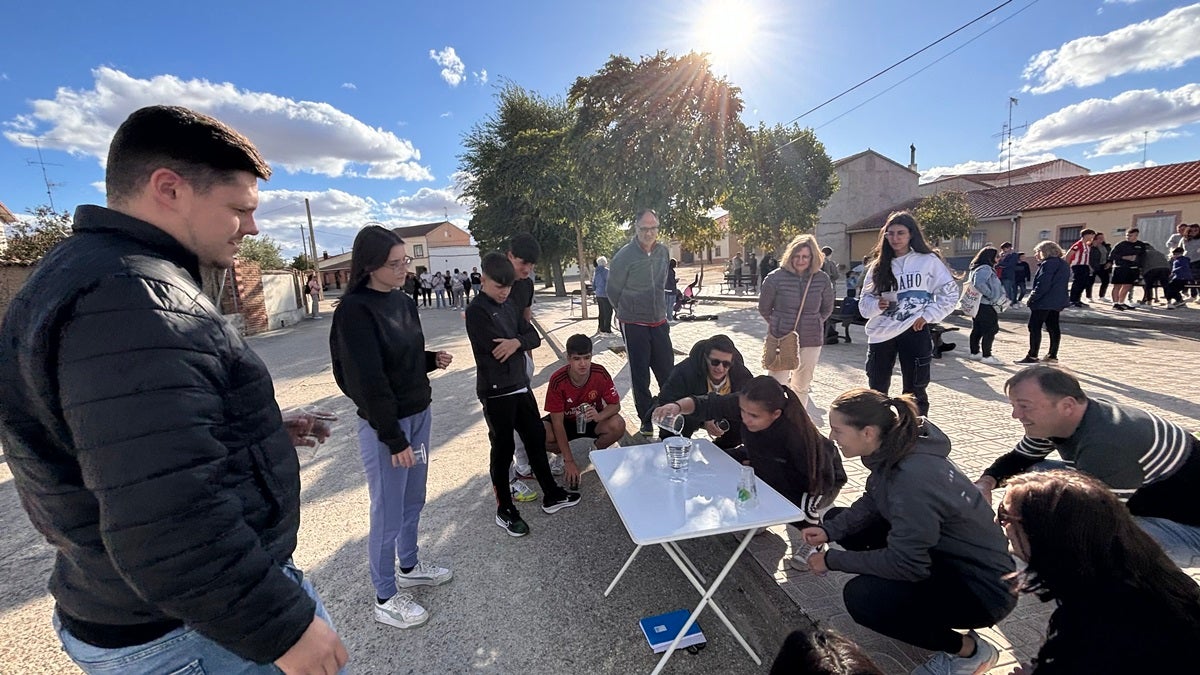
<point x="661" y="630"/>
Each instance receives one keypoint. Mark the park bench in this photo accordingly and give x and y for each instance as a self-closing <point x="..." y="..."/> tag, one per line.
<point x="852" y="318"/>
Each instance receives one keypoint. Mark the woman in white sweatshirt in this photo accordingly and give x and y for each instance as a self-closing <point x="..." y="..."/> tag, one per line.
<point x="907" y="287"/>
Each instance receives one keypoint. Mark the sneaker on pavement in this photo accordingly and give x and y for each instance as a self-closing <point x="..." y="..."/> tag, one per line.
<point x="975" y="356"/>
<point x="511" y="521"/>
<point x="1121" y="307"/>
<point x="523" y="471"/>
<point x="401" y="611"/>
<point x="522" y="492"/>
<point x="556" y="465"/>
<point x="991" y="361"/>
<point x="647" y="429"/>
<point x="564" y="500"/>
<point x="941" y="663"/>
<point x="1049" y="359"/>
<point x="1026" y="361"/>
<point x="799" y="559"/>
<point x="424" y="574"/>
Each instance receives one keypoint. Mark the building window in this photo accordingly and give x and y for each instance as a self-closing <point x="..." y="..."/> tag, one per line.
<point x="717" y="251"/>
<point x="972" y="242"/>
<point x="1156" y="227"/>
<point x="418" y="250"/>
<point x="1068" y="235"/>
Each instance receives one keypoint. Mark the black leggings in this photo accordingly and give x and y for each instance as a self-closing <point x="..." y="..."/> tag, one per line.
<point x="915" y="351"/>
<point x="1103" y="275"/>
<point x="1038" y="318"/>
<point x="503" y="415"/>
<point x="922" y="613"/>
<point x="984" y="328"/>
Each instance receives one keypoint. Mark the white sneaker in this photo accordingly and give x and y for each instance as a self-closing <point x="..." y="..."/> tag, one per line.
<point x="401" y="611"/>
<point x="941" y="663"/>
<point x="799" y="559"/>
<point x="991" y="361"/>
<point x="556" y="465"/>
<point x="977" y="356"/>
<point x="522" y="492"/>
<point x="424" y="574"/>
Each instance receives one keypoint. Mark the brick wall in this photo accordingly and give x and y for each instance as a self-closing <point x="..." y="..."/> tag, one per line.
<point x="250" y="299"/>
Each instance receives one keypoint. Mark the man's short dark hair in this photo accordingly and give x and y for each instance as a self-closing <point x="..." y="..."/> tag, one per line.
<point x="1133" y="230"/>
<point x="497" y="267"/>
<point x="1007" y="244"/>
<point x="1087" y="232"/>
<point x="203" y="150"/>
<point x="579" y="345"/>
<point x="525" y="247"/>
<point x="637" y="217"/>
<point x="721" y="342"/>
<point x="1056" y="382"/>
<point x="1178" y="250"/>
<point x="826" y="250"/>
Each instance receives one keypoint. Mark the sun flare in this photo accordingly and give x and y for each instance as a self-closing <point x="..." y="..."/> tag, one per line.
<point x="728" y="30"/>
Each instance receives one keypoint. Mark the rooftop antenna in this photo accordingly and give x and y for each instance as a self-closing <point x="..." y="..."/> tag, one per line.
<point x="45" y="178"/>
<point x="1145" y="140"/>
<point x="1007" y="133"/>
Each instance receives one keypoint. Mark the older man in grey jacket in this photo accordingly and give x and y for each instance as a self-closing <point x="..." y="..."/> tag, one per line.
<point x="637" y="275"/>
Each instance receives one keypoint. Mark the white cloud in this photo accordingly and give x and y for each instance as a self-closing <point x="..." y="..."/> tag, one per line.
<point x="1121" y="2"/>
<point x="429" y="204"/>
<point x="99" y="186"/>
<point x="480" y="77"/>
<point x="349" y="85"/>
<point x="446" y="114"/>
<point x="1130" y="165"/>
<point x="453" y="69"/>
<point x="1124" y="144"/>
<point x="984" y="166"/>
<point x="1166" y="42"/>
<point x="299" y="136"/>
<point x="1107" y="121"/>
<point x="4" y="76"/>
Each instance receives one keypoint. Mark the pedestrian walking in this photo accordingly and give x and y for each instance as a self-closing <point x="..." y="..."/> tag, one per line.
<point x="600" y="288"/>
<point x="985" y="325"/>
<point x="1046" y="301"/>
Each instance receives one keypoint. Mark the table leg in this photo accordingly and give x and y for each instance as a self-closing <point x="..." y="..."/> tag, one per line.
<point x="688" y="560"/>
<point x="622" y="572"/>
<point x="706" y="599"/>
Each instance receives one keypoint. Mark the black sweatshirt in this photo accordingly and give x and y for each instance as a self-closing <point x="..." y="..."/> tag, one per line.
<point x="486" y="321"/>
<point x="379" y="360"/>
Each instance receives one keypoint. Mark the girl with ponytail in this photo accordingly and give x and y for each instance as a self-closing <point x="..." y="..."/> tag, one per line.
<point x="779" y="440"/>
<point x="928" y="555"/>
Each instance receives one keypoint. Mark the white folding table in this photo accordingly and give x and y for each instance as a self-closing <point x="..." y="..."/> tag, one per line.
<point x="656" y="510"/>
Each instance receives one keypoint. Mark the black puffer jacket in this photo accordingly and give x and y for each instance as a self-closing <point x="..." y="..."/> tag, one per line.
<point x="147" y="447"/>
<point x="690" y="378"/>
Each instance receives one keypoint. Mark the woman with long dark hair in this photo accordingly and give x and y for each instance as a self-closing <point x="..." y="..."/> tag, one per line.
<point x="921" y="539"/>
<point x="908" y="287"/>
<point x="380" y="362"/>
<point x="779" y="441"/>
<point x="1046" y="301"/>
<point x="1123" y="606"/>
<point x="985" y="325"/>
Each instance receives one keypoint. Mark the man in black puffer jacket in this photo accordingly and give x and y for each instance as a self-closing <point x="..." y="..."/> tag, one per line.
<point x="142" y="431"/>
<point x="713" y="365"/>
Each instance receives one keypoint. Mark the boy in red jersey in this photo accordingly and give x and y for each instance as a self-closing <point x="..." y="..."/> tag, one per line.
<point x="580" y="387"/>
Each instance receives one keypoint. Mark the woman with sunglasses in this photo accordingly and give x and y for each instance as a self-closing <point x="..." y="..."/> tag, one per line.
<point x="1123" y="606"/>
<point x="780" y="441"/>
<point x="928" y="556"/>
<point x="380" y="362"/>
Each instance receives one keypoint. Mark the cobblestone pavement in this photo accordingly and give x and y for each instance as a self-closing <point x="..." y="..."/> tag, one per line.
<point x="1146" y="367"/>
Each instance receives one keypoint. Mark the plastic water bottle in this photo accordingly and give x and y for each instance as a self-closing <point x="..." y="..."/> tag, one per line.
<point x="747" y="489"/>
<point x="581" y="418"/>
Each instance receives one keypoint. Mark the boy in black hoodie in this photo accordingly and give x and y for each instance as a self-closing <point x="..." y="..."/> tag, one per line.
<point x="499" y="334"/>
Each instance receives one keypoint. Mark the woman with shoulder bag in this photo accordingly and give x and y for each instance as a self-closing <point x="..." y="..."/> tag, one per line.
<point x="796" y="299"/>
<point x="1048" y="299"/>
<point x="985" y="324"/>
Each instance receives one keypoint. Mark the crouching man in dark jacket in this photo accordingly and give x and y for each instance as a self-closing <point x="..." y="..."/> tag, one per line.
<point x="142" y="432"/>
<point x="713" y="366"/>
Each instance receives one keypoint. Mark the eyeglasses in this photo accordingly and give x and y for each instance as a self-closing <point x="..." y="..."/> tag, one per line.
<point x="1002" y="516"/>
<point x="398" y="265"/>
<point x="719" y="363"/>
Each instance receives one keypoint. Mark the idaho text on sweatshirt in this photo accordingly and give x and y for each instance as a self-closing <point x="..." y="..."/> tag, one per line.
<point x="925" y="289"/>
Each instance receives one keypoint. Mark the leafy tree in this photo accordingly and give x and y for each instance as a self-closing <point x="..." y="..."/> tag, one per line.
<point x="301" y="262"/>
<point x="30" y="240"/>
<point x="661" y="133"/>
<point x="781" y="183"/>
<point x="262" y="250"/>
<point x="945" y="216"/>
<point x="523" y="176"/>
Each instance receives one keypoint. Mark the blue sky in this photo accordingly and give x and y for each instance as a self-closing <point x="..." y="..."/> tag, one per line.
<point x="362" y="106"/>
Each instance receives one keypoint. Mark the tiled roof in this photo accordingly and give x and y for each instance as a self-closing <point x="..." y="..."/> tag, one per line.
<point x="6" y="216"/>
<point x="418" y="230"/>
<point x="875" y="220"/>
<point x="1004" y="201"/>
<point x="1120" y="186"/>
<point x="1002" y="175"/>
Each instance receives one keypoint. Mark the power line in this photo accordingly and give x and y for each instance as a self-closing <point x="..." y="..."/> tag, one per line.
<point x="903" y="60"/>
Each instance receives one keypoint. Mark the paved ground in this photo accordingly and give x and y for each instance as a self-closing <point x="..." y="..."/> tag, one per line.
<point x="535" y="605"/>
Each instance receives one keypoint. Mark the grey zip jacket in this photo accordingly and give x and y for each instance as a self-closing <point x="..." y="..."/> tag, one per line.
<point x="635" y="283"/>
<point x="940" y="524"/>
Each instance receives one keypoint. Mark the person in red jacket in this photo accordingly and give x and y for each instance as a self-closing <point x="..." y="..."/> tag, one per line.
<point x="1079" y="258"/>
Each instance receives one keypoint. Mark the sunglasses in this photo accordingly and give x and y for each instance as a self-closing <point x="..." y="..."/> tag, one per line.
<point x="1002" y="516"/>
<point x="720" y="363"/>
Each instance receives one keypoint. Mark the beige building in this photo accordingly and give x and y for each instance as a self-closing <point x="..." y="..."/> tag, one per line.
<point x="1034" y="173"/>
<point x="868" y="183"/>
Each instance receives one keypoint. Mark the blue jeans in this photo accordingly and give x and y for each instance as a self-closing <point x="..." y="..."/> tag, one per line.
<point x="183" y="651"/>
<point x="397" y="497"/>
<point x="1181" y="542"/>
<point x="1010" y="289"/>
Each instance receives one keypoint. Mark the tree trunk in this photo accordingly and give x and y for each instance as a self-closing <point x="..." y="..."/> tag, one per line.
<point x="583" y="277"/>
